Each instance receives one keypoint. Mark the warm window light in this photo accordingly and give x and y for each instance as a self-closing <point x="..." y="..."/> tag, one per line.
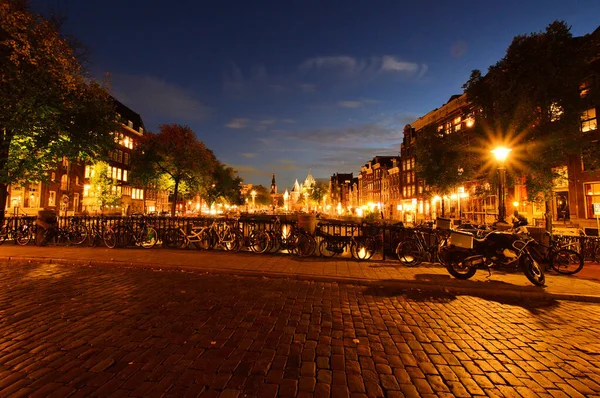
<point x="436" y="198"/>
<point x="516" y="204"/>
<point x="501" y="153"/>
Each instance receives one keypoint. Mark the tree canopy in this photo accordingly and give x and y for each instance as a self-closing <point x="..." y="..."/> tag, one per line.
<point x="223" y="184"/>
<point x="49" y="108"/>
<point x="531" y="100"/>
<point x="175" y="153"/>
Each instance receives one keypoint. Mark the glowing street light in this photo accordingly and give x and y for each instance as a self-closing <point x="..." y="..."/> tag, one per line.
<point x="501" y="153"/>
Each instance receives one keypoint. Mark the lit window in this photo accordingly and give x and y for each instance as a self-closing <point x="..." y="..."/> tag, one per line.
<point x="120" y="174"/>
<point x="86" y="190"/>
<point x="588" y="120"/>
<point x="457" y="120"/>
<point x="457" y="127"/>
<point x="130" y="124"/>
<point x="88" y="171"/>
<point x="52" y="198"/>
<point x="141" y="130"/>
<point x="124" y="175"/>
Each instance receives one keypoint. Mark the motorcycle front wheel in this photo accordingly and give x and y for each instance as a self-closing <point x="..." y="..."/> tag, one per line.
<point x="455" y="263"/>
<point x="533" y="270"/>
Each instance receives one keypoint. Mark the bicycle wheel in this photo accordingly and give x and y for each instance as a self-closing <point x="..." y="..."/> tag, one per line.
<point x="259" y="241"/>
<point x="110" y="238"/>
<point x="274" y="242"/>
<point x="174" y="238"/>
<point x="409" y="253"/>
<point x="148" y="238"/>
<point x="233" y="241"/>
<point x="363" y="250"/>
<point x="22" y="237"/>
<point x="326" y="249"/>
<point x="77" y="234"/>
<point x="566" y="262"/>
<point x="305" y="245"/>
<point x="205" y="241"/>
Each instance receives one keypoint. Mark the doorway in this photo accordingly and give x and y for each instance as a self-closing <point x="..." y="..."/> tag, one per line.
<point x="562" y="206"/>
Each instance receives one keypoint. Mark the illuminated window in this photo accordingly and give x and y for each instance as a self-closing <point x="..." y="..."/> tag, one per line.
<point x="86" y="190"/>
<point x="440" y="128"/>
<point x="457" y="127"/>
<point x="124" y="175"/>
<point x="120" y="174"/>
<point x="63" y="182"/>
<point x="130" y="124"/>
<point x="588" y="120"/>
<point x="52" y="198"/>
<point x="457" y="120"/>
<point x="592" y="195"/>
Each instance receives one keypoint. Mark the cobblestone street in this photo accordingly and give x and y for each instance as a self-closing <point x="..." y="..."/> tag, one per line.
<point x="73" y="330"/>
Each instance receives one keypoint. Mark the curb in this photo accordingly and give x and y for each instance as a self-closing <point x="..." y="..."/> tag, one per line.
<point x="512" y="294"/>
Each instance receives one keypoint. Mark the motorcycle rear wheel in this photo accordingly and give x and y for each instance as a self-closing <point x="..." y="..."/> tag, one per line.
<point x="533" y="270"/>
<point x="456" y="265"/>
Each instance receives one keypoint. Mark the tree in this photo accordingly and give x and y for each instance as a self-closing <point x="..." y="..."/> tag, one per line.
<point x="102" y="187"/>
<point x="444" y="161"/>
<point x="175" y="152"/>
<point x="224" y="183"/>
<point x="320" y="190"/>
<point x="531" y="99"/>
<point x="48" y="106"/>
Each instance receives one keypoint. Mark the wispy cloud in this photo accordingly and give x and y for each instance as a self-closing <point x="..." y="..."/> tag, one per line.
<point x="344" y="66"/>
<point x="307" y="87"/>
<point x="150" y="95"/>
<point x="238" y="123"/>
<point x="367" y="135"/>
<point x="249" y="155"/>
<point x="250" y="170"/>
<point x="350" y="104"/>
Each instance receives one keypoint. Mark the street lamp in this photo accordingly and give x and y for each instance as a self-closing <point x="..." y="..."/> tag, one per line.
<point x="501" y="153"/>
<point x="253" y="193"/>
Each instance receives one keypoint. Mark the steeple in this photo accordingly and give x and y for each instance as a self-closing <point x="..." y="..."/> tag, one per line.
<point x="273" y="186"/>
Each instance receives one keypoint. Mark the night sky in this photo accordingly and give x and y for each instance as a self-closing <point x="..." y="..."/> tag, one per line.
<point x="292" y="86"/>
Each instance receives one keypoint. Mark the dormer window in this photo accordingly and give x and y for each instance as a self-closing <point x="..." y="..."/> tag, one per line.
<point x="130" y="124"/>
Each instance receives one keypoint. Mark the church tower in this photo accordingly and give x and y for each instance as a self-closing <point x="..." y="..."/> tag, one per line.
<point x="273" y="186"/>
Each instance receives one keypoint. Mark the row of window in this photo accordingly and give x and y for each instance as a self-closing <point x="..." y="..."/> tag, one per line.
<point x="115" y="173"/>
<point x="124" y="140"/>
<point x="119" y="156"/>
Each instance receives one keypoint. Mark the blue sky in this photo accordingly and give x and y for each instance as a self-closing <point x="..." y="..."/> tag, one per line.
<point x="290" y="86"/>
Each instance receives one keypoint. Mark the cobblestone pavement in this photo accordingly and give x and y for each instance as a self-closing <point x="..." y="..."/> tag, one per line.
<point x="109" y="331"/>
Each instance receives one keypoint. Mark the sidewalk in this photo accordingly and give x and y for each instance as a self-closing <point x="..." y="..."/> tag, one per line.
<point x="584" y="286"/>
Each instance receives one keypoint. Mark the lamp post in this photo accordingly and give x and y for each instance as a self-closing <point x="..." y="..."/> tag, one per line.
<point x="501" y="153"/>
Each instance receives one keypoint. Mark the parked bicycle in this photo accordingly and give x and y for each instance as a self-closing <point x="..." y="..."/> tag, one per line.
<point x="360" y="247"/>
<point x="423" y="244"/>
<point x="136" y="230"/>
<point x="19" y="229"/>
<point x="560" y="257"/>
<point x="97" y="231"/>
<point x="223" y="234"/>
<point x="177" y="237"/>
<point x="49" y="231"/>
<point x="292" y="238"/>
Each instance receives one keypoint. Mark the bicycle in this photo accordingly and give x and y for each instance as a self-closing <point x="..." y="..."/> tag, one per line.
<point x="361" y="248"/>
<point x="259" y="240"/>
<point x="417" y="248"/>
<point x="97" y="232"/>
<point x="291" y="237"/>
<point x="18" y="229"/>
<point x="51" y="232"/>
<point x="131" y="231"/>
<point x="559" y="257"/>
<point x="221" y="234"/>
<point x="176" y="237"/>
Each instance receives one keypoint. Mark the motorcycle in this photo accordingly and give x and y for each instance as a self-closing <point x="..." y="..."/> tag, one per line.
<point x="464" y="254"/>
